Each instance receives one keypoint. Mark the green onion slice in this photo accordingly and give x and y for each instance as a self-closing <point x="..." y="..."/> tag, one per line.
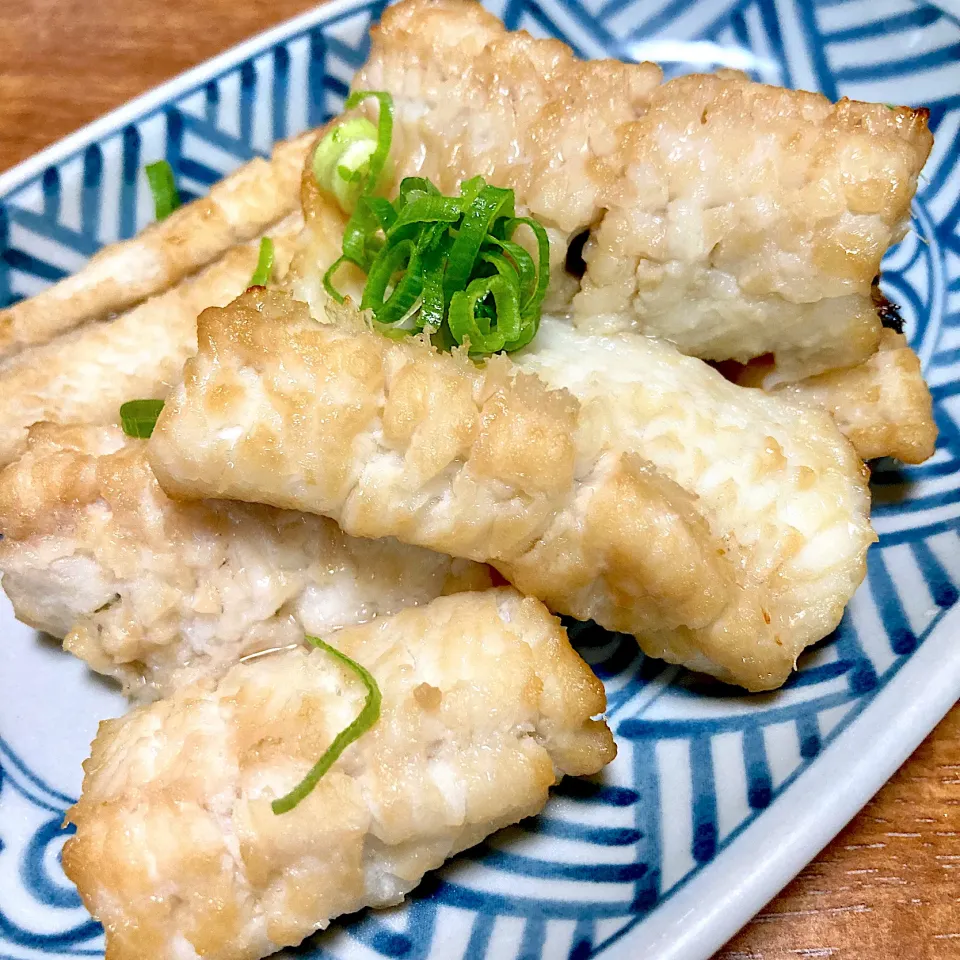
<point x="478" y="218"/>
<point x="351" y="159"/>
<point x="342" y="158"/>
<point x="445" y="265"/>
<point x="433" y="306"/>
<point x="398" y="257"/>
<point x="378" y="159"/>
<point x="367" y="717"/>
<point x="410" y="186"/>
<point x="485" y="333"/>
<point x="166" y="199"/>
<point x="139" y="417"/>
<point x="261" y="276"/>
<point x="328" y="279"/>
<point x="543" y="257"/>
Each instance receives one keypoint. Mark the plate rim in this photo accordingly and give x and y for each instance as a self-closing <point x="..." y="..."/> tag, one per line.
<point x="931" y="680"/>
<point x="688" y="925"/>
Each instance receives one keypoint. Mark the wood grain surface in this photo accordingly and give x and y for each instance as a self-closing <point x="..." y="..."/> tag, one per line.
<point x="888" y="888"/>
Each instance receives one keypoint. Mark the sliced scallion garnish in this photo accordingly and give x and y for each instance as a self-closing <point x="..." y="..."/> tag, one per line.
<point x="342" y="158"/>
<point x="166" y="199"/>
<point x="261" y="276"/>
<point x="350" y="160"/>
<point x="367" y="717"/>
<point x="445" y="265"/>
<point x="379" y="157"/>
<point x="139" y="417"/>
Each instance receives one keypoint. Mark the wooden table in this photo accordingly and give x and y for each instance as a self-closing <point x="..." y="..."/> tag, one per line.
<point x="889" y="885"/>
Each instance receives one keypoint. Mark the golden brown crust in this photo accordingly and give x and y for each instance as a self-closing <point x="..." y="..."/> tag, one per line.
<point x="158" y="593"/>
<point x="781" y="493"/>
<point x="61" y="471"/>
<point x="883" y="405"/>
<point x="349" y="431"/>
<point x="730" y="217"/>
<point x="238" y="208"/>
<point x="177" y="852"/>
<point x="641" y="505"/>
<point x="84" y="376"/>
<point x="391" y="438"/>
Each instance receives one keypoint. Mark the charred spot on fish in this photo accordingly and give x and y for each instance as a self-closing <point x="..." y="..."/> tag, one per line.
<point x="750" y="374"/>
<point x="113" y="601"/>
<point x="574" y="264"/>
<point x="728" y="369"/>
<point x="428" y="697"/>
<point x="887" y="310"/>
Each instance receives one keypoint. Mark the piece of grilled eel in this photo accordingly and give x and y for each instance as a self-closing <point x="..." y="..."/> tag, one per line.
<point x="783" y="494"/>
<point x="733" y="218"/>
<point x="84" y="376"/>
<point x="158" y="594"/>
<point x="737" y="505"/>
<point x="882" y="405"/>
<point x="238" y="208"/>
<point x="178" y="852"/>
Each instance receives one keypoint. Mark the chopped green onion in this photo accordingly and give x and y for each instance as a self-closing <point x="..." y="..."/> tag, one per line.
<point x="139" y="417"/>
<point x="445" y="265"/>
<point x="398" y="257"/>
<point x="479" y="215"/>
<point x="543" y="257"/>
<point x="350" y="160"/>
<point x="455" y="256"/>
<point x="261" y="276"/>
<point x="166" y="199"/>
<point x="379" y="157"/>
<point x="328" y="279"/>
<point x="468" y="324"/>
<point x="343" y="157"/>
<point x="367" y="717"/>
<point x="411" y="185"/>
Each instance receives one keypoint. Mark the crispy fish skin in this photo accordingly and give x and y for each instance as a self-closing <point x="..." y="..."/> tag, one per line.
<point x="159" y="594"/>
<point x="391" y="438"/>
<point x="238" y="208"/>
<point x="732" y="218"/>
<point x="783" y="493"/>
<point x="178" y="853"/>
<point x="84" y="376"/>
<point x="883" y="405"/>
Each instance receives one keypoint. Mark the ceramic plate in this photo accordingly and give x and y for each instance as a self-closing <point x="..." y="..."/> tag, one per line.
<point x="715" y="800"/>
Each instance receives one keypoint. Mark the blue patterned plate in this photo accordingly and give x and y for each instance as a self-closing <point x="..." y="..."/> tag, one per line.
<point x="715" y="800"/>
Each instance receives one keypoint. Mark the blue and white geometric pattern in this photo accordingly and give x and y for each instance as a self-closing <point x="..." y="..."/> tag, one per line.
<point x="703" y="775"/>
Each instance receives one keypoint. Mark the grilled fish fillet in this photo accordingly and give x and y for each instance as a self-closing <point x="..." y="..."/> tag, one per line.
<point x="391" y="438"/>
<point x="238" y="208"/>
<point x="158" y="593"/>
<point x="84" y="376"/>
<point x="732" y="218"/>
<point x="782" y="492"/>
<point x="178" y="853"/>
<point x="883" y="405"/>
